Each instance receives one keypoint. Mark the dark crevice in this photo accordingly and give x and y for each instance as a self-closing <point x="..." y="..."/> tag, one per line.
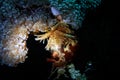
<point x="35" y="66"/>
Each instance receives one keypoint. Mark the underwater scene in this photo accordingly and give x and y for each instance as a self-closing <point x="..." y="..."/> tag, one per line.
<point x="58" y="40"/>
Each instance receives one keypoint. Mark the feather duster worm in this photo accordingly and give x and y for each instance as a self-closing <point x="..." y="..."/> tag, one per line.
<point x="61" y="42"/>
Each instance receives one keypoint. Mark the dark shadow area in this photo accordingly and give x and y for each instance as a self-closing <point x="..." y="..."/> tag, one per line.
<point x="98" y="43"/>
<point x="34" y="67"/>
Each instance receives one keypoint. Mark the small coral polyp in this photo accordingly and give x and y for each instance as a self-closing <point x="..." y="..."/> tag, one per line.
<point x="60" y="41"/>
